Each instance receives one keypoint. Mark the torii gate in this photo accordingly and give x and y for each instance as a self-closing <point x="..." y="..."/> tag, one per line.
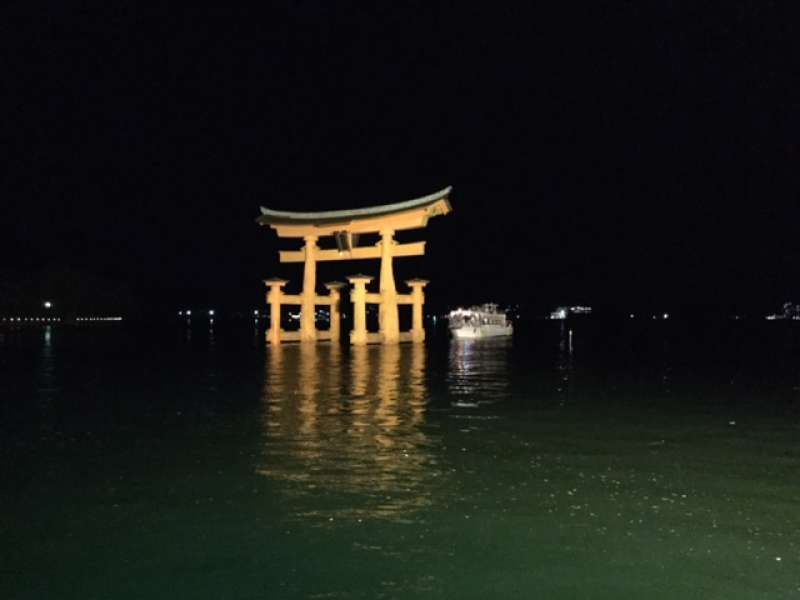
<point x="345" y="226"/>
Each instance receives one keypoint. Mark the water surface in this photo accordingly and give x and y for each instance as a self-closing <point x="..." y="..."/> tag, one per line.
<point x="656" y="461"/>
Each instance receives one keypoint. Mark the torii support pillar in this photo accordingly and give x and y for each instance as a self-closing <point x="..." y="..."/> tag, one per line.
<point x="274" y="297"/>
<point x="308" y="329"/>
<point x="358" y="296"/>
<point x="417" y="302"/>
<point x="335" y="292"/>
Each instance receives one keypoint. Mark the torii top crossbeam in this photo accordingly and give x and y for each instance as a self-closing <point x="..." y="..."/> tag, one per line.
<point x="411" y="214"/>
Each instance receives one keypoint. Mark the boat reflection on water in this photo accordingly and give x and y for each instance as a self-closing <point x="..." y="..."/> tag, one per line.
<point x="479" y="371"/>
<point x="344" y="430"/>
<point x="564" y="363"/>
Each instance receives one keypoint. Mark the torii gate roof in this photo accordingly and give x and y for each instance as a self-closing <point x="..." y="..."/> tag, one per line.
<point x="410" y="214"/>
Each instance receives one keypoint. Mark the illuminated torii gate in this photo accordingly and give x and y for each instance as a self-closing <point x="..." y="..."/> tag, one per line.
<point x="345" y="226"/>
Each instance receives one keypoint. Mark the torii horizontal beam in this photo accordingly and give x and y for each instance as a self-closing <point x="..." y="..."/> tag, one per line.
<point x="363" y="252"/>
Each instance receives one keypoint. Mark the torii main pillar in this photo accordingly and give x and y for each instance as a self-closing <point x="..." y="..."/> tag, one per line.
<point x="388" y="317"/>
<point x="308" y="310"/>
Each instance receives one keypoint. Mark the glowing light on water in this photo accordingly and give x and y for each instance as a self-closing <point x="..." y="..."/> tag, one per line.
<point x="93" y="319"/>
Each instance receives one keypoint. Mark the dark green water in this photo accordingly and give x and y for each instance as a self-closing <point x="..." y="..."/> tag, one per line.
<point x="658" y="462"/>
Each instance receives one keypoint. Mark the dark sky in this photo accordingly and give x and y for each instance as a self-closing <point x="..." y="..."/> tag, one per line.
<point x="614" y="155"/>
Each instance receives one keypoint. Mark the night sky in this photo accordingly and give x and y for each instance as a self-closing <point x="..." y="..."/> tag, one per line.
<point x="616" y="155"/>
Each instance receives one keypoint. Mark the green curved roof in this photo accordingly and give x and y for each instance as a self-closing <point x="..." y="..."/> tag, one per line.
<point x="283" y="217"/>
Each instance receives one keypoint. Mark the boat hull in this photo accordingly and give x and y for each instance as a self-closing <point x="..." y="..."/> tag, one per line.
<point x="482" y="331"/>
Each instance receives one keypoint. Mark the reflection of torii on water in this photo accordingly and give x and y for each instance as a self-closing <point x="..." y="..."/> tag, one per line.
<point x="345" y="227"/>
<point x="349" y="425"/>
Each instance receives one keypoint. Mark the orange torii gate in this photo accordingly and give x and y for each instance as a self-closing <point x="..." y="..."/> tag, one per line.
<point x="345" y="226"/>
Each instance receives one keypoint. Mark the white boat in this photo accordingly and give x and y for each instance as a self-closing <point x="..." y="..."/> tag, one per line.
<point x="479" y="322"/>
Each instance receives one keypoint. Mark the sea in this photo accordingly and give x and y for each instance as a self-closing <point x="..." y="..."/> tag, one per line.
<point x="584" y="458"/>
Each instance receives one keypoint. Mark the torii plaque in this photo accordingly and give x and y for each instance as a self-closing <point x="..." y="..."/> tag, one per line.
<point x="345" y="226"/>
